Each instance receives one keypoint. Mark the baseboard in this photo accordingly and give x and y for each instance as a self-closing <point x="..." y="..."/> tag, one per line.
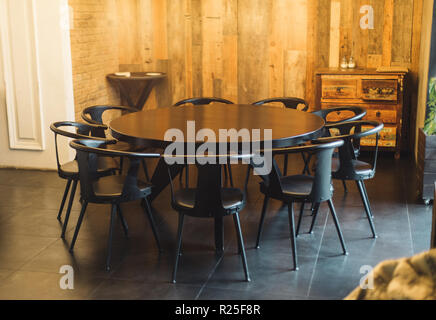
<point x="27" y="168"/>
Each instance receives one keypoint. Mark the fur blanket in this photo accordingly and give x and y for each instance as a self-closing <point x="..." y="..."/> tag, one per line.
<point x="404" y="279"/>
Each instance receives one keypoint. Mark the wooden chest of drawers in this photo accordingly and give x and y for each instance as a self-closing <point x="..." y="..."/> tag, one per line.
<point x="381" y="94"/>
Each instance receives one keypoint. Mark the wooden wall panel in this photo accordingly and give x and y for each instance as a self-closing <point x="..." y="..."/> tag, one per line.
<point x="253" y="57"/>
<point x="402" y="37"/>
<point x="229" y="88"/>
<point x="197" y="48"/>
<point x="322" y="33"/>
<point x="311" y="50"/>
<point x="247" y="50"/>
<point x="339" y="33"/>
<point x="176" y="48"/>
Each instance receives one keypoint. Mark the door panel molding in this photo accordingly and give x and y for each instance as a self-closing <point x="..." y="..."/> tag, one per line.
<point x="19" y="47"/>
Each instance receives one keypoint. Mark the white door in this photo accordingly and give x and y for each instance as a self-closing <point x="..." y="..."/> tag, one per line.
<point x="35" y="81"/>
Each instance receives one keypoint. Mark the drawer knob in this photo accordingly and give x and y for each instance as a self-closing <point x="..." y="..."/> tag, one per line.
<point x="378" y="114"/>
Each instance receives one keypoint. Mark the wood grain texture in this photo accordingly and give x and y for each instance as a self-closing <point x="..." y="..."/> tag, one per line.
<point x="375" y="36"/>
<point x="403" y="26"/>
<point x="322" y="33"/>
<point x="338" y="48"/>
<point x="247" y="50"/>
<point x="387" y="32"/>
<point x="253" y="59"/>
<point x="311" y="49"/>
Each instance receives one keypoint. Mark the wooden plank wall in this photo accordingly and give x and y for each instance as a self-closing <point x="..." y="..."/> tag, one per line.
<point x="247" y="50"/>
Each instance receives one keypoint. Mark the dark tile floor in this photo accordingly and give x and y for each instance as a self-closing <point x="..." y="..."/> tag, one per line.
<point x="32" y="253"/>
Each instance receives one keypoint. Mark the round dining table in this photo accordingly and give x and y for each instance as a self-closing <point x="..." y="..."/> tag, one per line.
<point x="148" y="128"/>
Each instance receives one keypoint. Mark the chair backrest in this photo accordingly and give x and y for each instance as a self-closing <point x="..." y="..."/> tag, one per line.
<point x="321" y="188"/>
<point x="94" y="115"/>
<point x="208" y="193"/>
<point x="349" y="132"/>
<point x="358" y="113"/>
<point x="202" y="101"/>
<point x="88" y="152"/>
<point x="82" y="132"/>
<point x="288" y="102"/>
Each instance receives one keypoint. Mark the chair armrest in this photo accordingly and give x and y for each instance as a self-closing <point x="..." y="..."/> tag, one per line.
<point x="99" y="110"/>
<point x="331" y="143"/>
<point x="97" y="146"/>
<point x="82" y="128"/>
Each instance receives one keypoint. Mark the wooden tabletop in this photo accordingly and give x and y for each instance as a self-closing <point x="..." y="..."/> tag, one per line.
<point x="356" y="71"/>
<point x="149" y="127"/>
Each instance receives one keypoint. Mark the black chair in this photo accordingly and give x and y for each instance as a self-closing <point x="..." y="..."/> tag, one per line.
<point x="112" y="190"/>
<point x="302" y="188"/>
<point x="288" y="102"/>
<point x="196" y="102"/>
<point x="357" y="113"/>
<point x="209" y="200"/>
<point x="70" y="170"/>
<point x="347" y="166"/>
<point x="94" y="115"/>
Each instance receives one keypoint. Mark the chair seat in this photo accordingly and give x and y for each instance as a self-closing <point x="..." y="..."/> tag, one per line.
<point x="232" y="198"/>
<point x="298" y="186"/>
<point x="112" y="186"/>
<point x="361" y="168"/>
<point x="105" y="164"/>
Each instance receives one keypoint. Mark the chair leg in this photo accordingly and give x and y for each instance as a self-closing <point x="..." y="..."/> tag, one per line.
<point x="229" y="168"/>
<point x="144" y="166"/>
<point x="315" y="215"/>
<point x="64" y="198"/>
<point x="300" y="218"/>
<point x="238" y="239"/>
<point x="360" y="186"/>
<point x="123" y="220"/>
<point x="241" y="245"/>
<point x="179" y="245"/>
<point x="78" y="225"/>
<point x="366" y="196"/>
<point x="109" y="241"/>
<point x="153" y="224"/>
<point x="262" y="219"/>
<point x="285" y="166"/>
<point x="70" y="205"/>
<point x="338" y="228"/>
<point x="219" y="235"/>
<point x="292" y="231"/>
<point x="345" y="186"/>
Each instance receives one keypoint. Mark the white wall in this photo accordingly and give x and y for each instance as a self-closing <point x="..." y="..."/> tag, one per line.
<point x="54" y="86"/>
